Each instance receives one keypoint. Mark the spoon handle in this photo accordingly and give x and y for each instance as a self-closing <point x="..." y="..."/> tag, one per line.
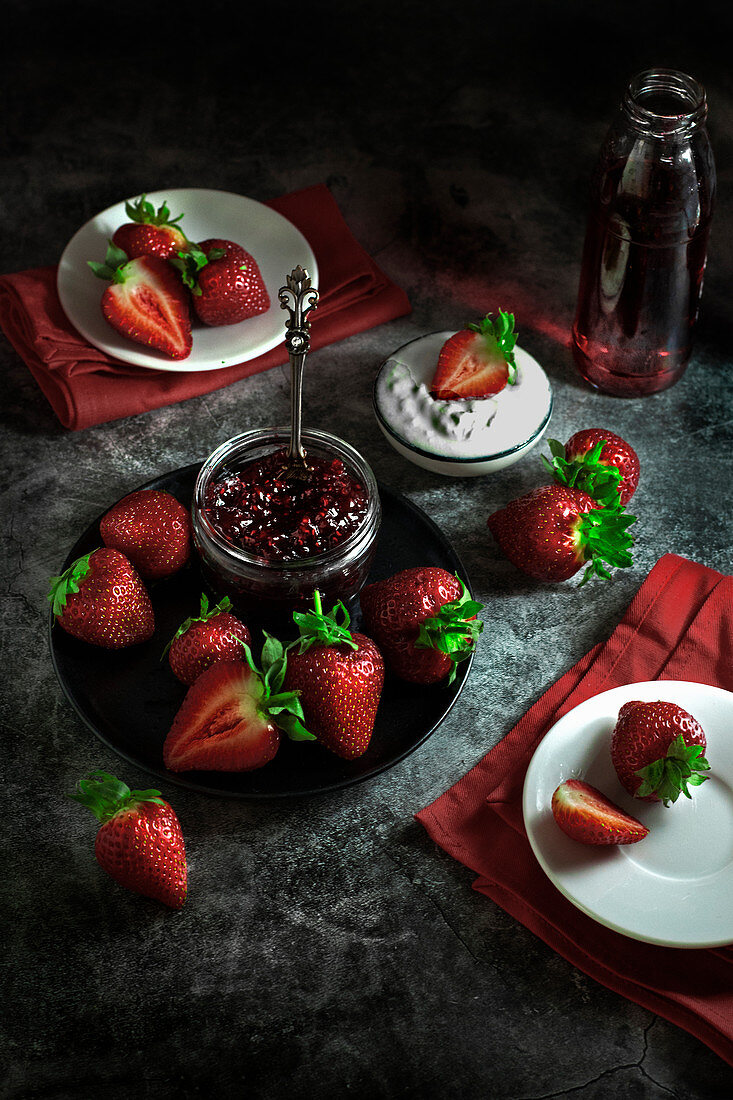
<point x="298" y="297"/>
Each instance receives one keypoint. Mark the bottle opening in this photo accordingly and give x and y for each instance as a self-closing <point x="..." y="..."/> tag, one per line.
<point x="664" y="101"/>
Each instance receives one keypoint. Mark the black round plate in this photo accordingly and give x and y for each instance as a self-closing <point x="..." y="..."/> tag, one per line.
<point x="129" y="697"/>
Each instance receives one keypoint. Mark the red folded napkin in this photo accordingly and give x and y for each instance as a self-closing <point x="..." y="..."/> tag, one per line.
<point x="679" y="626"/>
<point x="85" y="386"/>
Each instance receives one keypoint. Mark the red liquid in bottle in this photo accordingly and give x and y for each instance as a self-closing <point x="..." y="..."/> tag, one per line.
<point x="644" y="256"/>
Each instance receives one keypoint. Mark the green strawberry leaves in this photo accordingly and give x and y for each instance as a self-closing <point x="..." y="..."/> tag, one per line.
<point x="500" y="330"/>
<point x="68" y="582"/>
<point x="604" y="541"/>
<point x="144" y="213"/>
<point x="671" y="775"/>
<point x="204" y="615"/>
<point x="283" y="707"/>
<point x="105" y="795"/>
<point x="112" y="270"/>
<point x="318" y="628"/>
<point x="453" y="630"/>
<point x="189" y="264"/>
<point x="585" y="472"/>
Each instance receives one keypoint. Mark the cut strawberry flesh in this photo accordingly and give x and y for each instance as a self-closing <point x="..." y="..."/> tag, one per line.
<point x="585" y="814"/>
<point x="469" y="365"/>
<point x="219" y="726"/>
<point x="150" y="307"/>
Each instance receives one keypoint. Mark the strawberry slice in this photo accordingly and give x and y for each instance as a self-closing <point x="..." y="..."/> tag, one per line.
<point x="586" y="815"/>
<point x="477" y="361"/>
<point x="233" y="714"/>
<point x="146" y="302"/>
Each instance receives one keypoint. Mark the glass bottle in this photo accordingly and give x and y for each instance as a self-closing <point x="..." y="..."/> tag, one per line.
<point x="652" y="196"/>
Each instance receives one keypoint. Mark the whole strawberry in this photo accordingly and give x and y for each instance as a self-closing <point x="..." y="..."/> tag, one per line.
<point x="139" y="842"/>
<point x="658" y="751"/>
<point x="102" y="600"/>
<point x="597" y="461"/>
<point x="586" y="815"/>
<point x="233" y="715"/>
<point x="225" y="282"/>
<point x="477" y="361"/>
<point x="146" y="302"/>
<point x="339" y="675"/>
<point x="153" y="529"/>
<point x="149" y="232"/>
<point x="552" y="532"/>
<point x="423" y="621"/>
<point x="215" y="634"/>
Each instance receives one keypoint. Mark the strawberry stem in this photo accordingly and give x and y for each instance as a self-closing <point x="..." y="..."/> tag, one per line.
<point x="318" y="628"/>
<point x="585" y="472"/>
<point x="283" y="707"/>
<point x="671" y="775"/>
<point x="144" y="213"/>
<point x="453" y="630"/>
<point x="206" y="613"/>
<point x="105" y="795"/>
<point x="68" y="582"/>
<point x="604" y="541"/>
<point x="501" y="332"/>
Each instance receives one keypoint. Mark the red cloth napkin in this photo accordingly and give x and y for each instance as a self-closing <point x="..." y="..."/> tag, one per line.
<point x="679" y="626"/>
<point x="85" y="386"/>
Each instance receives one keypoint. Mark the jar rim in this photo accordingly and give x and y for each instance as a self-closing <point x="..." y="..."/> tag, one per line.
<point x="676" y="86"/>
<point x="278" y="436"/>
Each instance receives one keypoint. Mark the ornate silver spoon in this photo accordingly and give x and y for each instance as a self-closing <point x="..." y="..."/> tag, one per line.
<point x="298" y="297"/>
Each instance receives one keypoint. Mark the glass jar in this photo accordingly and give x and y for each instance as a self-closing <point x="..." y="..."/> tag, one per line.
<point x="264" y="591"/>
<point x="645" y="252"/>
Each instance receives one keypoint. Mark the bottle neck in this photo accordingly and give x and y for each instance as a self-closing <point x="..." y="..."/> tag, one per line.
<point x="664" y="103"/>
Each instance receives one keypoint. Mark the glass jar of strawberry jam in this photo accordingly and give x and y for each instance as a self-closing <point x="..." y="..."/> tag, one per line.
<point x="269" y="542"/>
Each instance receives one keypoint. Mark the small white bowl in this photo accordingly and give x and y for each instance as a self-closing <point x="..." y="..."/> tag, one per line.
<point x="519" y="414"/>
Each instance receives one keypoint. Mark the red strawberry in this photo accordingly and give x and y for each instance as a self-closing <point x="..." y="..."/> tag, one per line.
<point x="552" y="532"/>
<point x="423" y="621"/>
<point x="232" y="716"/>
<point x="586" y="815"/>
<point x="146" y="302"/>
<point x="102" y="600"/>
<point x="139" y="842"/>
<point x="339" y="676"/>
<point x="477" y="361"/>
<point x="600" y="463"/>
<point x="658" y="751"/>
<point x="149" y="232"/>
<point x="214" y="635"/>
<point x="153" y="529"/>
<point x="225" y="282"/>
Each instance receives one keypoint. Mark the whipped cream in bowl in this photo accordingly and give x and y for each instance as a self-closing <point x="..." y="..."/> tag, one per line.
<point x="461" y="438"/>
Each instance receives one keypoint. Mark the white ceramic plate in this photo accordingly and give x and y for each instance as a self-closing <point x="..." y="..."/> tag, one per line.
<point x="673" y="888"/>
<point x="522" y="413"/>
<point x="271" y="239"/>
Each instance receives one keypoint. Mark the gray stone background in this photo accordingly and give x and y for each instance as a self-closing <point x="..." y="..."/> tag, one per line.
<point x="328" y="948"/>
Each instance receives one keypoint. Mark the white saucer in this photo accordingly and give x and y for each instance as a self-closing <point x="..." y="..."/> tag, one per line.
<point x="673" y="888"/>
<point x="271" y="239"/>
<point x="522" y="414"/>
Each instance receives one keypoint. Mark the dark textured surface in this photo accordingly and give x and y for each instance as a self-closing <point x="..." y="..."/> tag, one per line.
<point x="327" y="947"/>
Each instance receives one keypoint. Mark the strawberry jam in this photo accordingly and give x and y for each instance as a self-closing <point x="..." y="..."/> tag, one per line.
<point x="267" y="516"/>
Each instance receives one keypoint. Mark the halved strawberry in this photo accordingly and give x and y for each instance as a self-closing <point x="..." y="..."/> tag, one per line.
<point x="149" y="232"/>
<point x="477" y="361"/>
<point x="586" y="815"/>
<point x="146" y="302"/>
<point x="233" y="714"/>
